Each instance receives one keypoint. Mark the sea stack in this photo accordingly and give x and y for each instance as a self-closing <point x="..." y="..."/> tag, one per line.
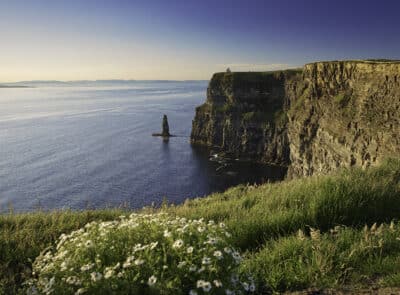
<point x="165" y="127"/>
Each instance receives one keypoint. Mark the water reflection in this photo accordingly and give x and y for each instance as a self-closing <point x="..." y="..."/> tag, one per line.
<point x="219" y="176"/>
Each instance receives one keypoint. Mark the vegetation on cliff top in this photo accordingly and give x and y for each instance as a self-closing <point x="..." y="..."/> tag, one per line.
<point x="295" y="234"/>
<point x="248" y="76"/>
<point x="365" y="61"/>
<point x="142" y="254"/>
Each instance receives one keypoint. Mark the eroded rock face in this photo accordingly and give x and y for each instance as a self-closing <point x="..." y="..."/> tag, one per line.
<point x="244" y="114"/>
<point x="346" y="114"/>
<point x="165" y="127"/>
<point x="329" y="115"/>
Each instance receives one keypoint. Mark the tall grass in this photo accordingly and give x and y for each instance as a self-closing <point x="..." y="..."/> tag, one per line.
<point x="264" y="221"/>
<point x="257" y="214"/>
<point x="344" y="256"/>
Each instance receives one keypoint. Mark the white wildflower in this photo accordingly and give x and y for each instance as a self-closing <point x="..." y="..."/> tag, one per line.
<point x="227" y="250"/>
<point x="64" y="265"/>
<point x="211" y="241"/>
<point x="152" y="280"/>
<point x="87" y="267"/>
<point x="109" y="272"/>
<point x="178" y="244"/>
<point x="89" y="243"/>
<point x="236" y="256"/>
<point x="206" y="260"/>
<point x="189" y="250"/>
<point x="96" y="276"/>
<point x="206" y="286"/>
<point x="218" y="254"/>
<point x="128" y="262"/>
<point x="139" y="261"/>
<point x="217" y="283"/>
<point x="200" y="283"/>
<point x="73" y="280"/>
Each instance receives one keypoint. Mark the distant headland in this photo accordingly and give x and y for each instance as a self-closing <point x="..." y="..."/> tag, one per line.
<point x="15" y="86"/>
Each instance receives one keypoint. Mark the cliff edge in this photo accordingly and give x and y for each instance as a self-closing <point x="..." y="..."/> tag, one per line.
<point x="314" y="120"/>
<point x="244" y="115"/>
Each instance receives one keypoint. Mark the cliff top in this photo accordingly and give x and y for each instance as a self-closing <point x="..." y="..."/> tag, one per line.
<point x="256" y="75"/>
<point x="363" y="61"/>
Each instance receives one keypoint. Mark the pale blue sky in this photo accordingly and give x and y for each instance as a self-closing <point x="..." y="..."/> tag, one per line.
<point x="187" y="39"/>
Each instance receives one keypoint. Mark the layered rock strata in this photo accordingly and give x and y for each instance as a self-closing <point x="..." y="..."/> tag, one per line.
<point x="325" y="116"/>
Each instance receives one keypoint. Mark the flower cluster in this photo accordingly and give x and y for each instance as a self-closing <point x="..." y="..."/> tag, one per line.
<point x="142" y="254"/>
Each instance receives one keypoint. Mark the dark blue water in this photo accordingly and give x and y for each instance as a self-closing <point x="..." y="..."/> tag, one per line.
<point x="90" y="146"/>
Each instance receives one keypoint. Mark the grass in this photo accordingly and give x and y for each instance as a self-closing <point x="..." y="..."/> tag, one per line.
<point x="264" y="221"/>
<point x="341" y="257"/>
<point x="141" y="254"/>
<point x="24" y="236"/>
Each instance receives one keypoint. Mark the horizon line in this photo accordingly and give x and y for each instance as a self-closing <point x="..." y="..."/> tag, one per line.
<point x="100" y="80"/>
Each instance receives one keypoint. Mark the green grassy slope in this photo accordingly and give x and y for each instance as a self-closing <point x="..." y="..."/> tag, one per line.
<point x="265" y="222"/>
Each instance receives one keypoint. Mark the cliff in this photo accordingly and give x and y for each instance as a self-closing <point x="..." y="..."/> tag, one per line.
<point x="348" y="114"/>
<point x="325" y="116"/>
<point x="244" y="114"/>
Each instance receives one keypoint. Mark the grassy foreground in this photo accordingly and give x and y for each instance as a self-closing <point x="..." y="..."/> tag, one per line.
<point x="323" y="231"/>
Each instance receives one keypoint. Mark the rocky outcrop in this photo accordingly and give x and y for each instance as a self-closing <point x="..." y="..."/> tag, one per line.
<point x="345" y="114"/>
<point x="325" y="116"/>
<point x="165" y="129"/>
<point x="244" y="115"/>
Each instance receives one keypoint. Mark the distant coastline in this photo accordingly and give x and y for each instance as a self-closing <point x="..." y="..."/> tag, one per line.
<point x="15" y="86"/>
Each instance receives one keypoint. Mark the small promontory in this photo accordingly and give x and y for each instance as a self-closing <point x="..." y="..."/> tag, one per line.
<point x="313" y="120"/>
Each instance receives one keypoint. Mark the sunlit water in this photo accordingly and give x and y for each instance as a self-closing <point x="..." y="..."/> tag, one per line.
<point x="90" y="146"/>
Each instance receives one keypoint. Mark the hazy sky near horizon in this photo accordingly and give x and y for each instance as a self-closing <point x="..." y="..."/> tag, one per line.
<point x="187" y="39"/>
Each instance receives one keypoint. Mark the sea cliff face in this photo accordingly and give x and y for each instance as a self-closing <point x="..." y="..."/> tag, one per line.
<point x="325" y="116"/>
<point x="348" y="114"/>
<point x="244" y="116"/>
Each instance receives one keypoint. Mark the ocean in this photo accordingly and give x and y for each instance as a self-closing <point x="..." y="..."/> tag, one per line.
<point x="84" y="145"/>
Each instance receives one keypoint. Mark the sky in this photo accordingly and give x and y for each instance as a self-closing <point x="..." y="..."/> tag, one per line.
<point x="187" y="39"/>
